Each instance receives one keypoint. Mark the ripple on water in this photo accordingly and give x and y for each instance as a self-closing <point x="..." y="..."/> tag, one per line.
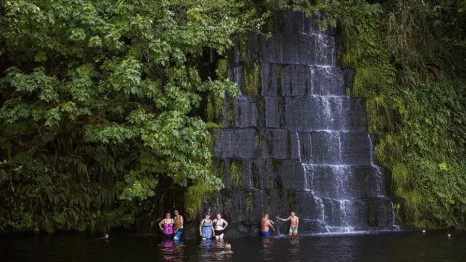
<point x="353" y="246"/>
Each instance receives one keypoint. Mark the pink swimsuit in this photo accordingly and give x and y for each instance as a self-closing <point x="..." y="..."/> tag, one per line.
<point x="168" y="229"/>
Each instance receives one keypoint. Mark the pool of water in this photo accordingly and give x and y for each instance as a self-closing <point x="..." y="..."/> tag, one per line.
<point x="400" y="246"/>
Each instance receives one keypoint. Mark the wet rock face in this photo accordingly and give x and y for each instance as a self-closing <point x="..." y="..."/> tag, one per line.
<point x="293" y="140"/>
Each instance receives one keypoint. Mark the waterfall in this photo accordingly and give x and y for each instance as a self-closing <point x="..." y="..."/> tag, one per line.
<point x="298" y="146"/>
<point x="302" y="145"/>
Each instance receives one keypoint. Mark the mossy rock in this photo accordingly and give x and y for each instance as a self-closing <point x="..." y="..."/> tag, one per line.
<point x="214" y="109"/>
<point x="251" y="80"/>
<point x="236" y="174"/>
<point x="222" y="68"/>
<point x="230" y="113"/>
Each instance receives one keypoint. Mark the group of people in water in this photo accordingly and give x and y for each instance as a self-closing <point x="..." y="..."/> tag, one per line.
<point x="172" y="227"/>
<point x="210" y="228"/>
<point x="267" y="224"/>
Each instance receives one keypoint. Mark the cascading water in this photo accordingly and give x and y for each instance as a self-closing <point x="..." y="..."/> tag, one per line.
<point x="299" y="143"/>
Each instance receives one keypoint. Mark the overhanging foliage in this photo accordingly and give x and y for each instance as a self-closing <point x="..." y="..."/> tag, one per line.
<point x="96" y="106"/>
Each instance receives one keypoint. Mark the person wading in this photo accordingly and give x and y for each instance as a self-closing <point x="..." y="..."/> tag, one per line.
<point x="206" y="228"/>
<point x="266" y="224"/>
<point x="220" y="225"/>
<point x="178" y="225"/>
<point x="294" y="223"/>
<point x="167" y="224"/>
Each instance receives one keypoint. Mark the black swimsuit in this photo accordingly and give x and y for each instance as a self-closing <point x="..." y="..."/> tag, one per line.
<point x="219" y="232"/>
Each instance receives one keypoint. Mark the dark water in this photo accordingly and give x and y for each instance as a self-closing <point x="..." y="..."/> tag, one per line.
<point x="404" y="246"/>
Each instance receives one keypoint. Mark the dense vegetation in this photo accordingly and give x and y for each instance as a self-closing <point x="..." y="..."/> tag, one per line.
<point x="98" y="103"/>
<point x="410" y="61"/>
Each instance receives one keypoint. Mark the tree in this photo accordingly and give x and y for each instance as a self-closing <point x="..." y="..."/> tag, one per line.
<point x="96" y="101"/>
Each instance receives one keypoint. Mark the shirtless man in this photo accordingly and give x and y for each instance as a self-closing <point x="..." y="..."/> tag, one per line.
<point x="265" y="224"/>
<point x="293" y="225"/>
<point x="178" y="225"/>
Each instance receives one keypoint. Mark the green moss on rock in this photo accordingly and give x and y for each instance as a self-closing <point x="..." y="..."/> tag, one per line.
<point x="249" y="200"/>
<point x="279" y="80"/>
<point x="222" y="68"/>
<point x="218" y="168"/>
<point x="277" y="164"/>
<point x="251" y="80"/>
<point x="259" y="140"/>
<point x="214" y="109"/>
<point x="255" y="176"/>
<point x="236" y="174"/>
<point x="230" y="114"/>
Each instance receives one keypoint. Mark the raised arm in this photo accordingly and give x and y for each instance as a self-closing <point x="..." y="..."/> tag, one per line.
<point x="270" y="225"/>
<point x="284" y="219"/>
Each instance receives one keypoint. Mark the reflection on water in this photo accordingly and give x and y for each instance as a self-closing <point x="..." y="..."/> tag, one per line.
<point x="266" y="250"/>
<point x="294" y="248"/>
<point x="172" y="250"/>
<point x="213" y="250"/>
<point x="402" y="246"/>
<point x="219" y="243"/>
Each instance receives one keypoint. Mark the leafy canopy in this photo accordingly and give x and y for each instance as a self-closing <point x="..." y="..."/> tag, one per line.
<point x="97" y="102"/>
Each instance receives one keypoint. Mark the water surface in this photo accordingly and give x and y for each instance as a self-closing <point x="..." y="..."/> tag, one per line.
<point x="401" y="246"/>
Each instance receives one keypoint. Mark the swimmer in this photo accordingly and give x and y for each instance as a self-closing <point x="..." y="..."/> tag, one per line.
<point x="226" y="250"/>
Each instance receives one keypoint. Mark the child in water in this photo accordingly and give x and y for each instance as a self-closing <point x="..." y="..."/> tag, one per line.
<point x="226" y="250"/>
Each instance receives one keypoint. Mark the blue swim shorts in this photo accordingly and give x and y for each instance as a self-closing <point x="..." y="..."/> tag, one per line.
<point x="265" y="234"/>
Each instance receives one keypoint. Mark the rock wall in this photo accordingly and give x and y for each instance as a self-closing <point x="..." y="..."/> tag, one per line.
<point x="293" y="140"/>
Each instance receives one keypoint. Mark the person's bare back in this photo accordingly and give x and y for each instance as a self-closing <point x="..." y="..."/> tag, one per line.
<point x="266" y="224"/>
